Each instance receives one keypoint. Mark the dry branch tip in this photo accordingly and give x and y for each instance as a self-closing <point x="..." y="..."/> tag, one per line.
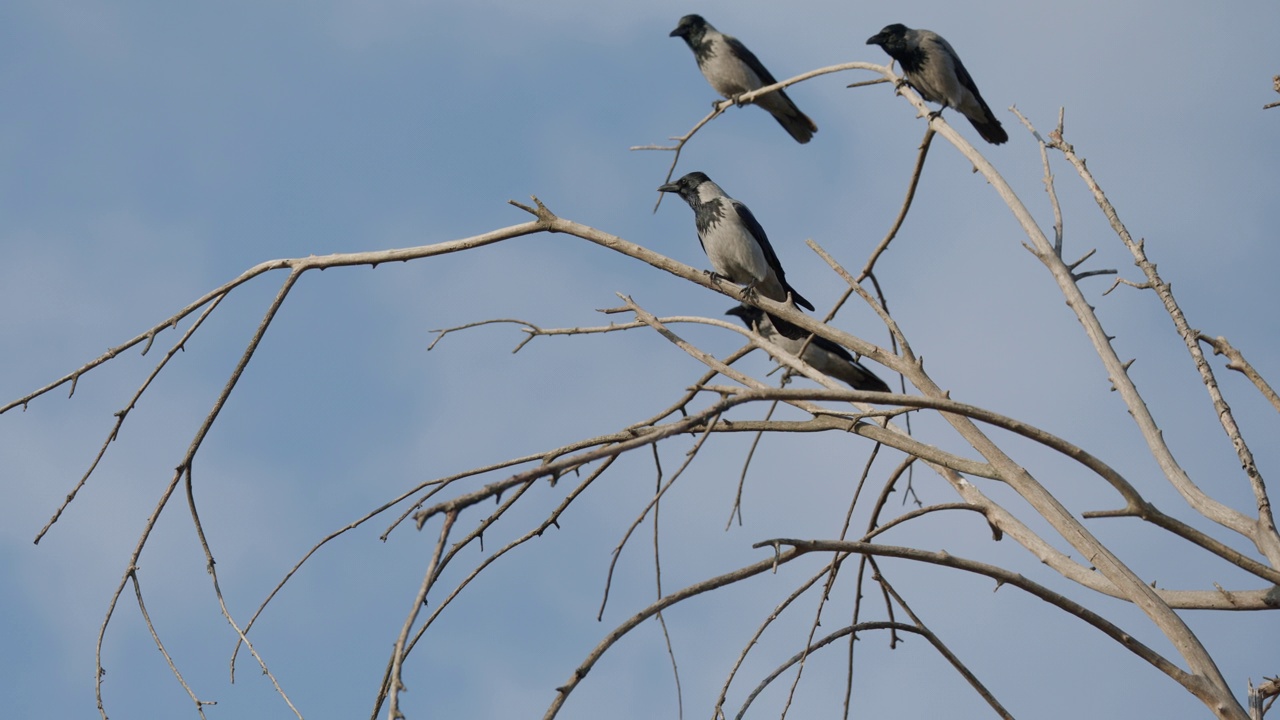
<point x="545" y="216"/>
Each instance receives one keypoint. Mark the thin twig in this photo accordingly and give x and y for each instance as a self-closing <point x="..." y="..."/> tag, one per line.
<point x="916" y="173"/>
<point x="428" y="580"/>
<point x="777" y="612"/>
<point x="130" y="570"/>
<point x="123" y="413"/>
<point x="644" y="512"/>
<point x="373" y="258"/>
<point x="720" y="106"/>
<point x="736" y="510"/>
<point x="719" y="581"/>
<point x="657" y="571"/>
<point x="551" y="520"/>
<point x="155" y="636"/>
<point x="1005" y="577"/>
<point x="847" y="631"/>
<point x="946" y="652"/>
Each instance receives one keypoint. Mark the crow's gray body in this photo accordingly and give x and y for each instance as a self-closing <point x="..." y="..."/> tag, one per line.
<point x="733" y="239"/>
<point x="732" y="69"/>
<point x="932" y="67"/>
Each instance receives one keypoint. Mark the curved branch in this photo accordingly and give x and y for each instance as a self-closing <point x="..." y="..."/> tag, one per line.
<point x="562" y="692"/>
<point x="1137" y="505"/>
<point x="832" y="637"/>
<point x="1192" y="683"/>
<point x="777" y="612"/>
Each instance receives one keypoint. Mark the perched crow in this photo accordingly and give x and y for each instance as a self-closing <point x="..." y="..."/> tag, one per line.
<point x="733" y="240"/>
<point x="732" y="69"/>
<point x="825" y="356"/>
<point x="932" y="67"/>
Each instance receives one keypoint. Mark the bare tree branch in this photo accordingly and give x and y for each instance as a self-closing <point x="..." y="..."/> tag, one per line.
<point x="1191" y="682"/>
<point x="1261" y="531"/>
<point x="1239" y="364"/>
<point x="718" y="107"/>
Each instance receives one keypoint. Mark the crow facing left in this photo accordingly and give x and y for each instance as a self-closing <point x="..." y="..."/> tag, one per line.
<point x="733" y="239"/>
<point x="732" y="69"/>
<point x="933" y="68"/>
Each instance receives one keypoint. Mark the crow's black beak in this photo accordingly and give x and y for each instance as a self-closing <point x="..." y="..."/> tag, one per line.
<point x="669" y="187"/>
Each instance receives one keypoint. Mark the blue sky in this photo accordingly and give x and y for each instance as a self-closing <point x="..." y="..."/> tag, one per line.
<point x="150" y="153"/>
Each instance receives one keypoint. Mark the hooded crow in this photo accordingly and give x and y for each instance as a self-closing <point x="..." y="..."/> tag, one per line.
<point x="732" y="69"/>
<point x="932" y="67"/>
<point x="733" y="240"/>
<point x="825" y="356"/>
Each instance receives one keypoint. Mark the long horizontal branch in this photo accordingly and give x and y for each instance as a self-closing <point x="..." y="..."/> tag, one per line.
<point x="553" y="223"/>
<point x="1227" y="600"/>
<point x="1138" y="506"/>
<point x="313" y="262"/>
